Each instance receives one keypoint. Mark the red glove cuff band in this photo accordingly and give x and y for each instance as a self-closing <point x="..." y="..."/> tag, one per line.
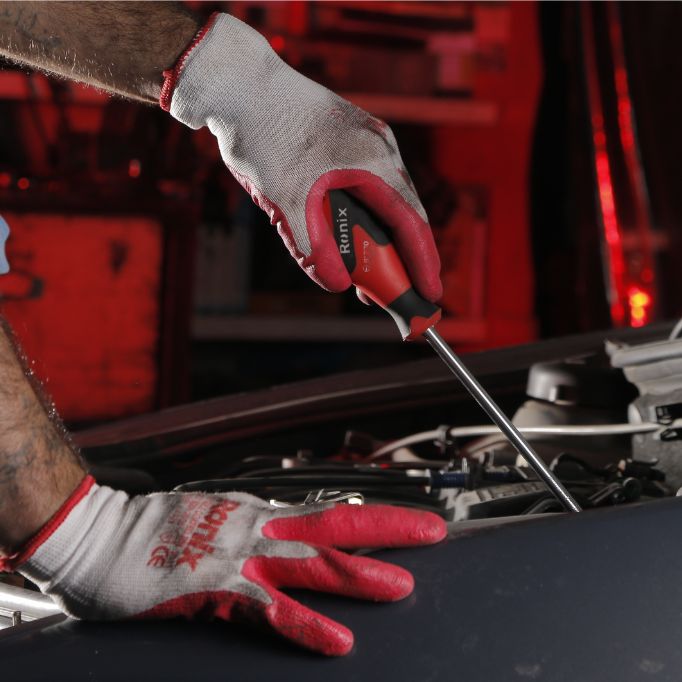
<point x="11" y="563"/>
<point x="170" y="76"/>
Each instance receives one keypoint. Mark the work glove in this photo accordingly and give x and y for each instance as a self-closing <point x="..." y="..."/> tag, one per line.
<point x="288" y="140"/>
<point x="105" y="556"/>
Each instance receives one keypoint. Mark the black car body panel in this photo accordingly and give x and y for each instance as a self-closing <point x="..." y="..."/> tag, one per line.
<point x="588" y="597"/>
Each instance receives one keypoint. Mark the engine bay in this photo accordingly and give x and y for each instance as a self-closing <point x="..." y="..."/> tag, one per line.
<point x="575" y="415"/>
<point x="604" y="415"/>
<point x="610" y="436"/>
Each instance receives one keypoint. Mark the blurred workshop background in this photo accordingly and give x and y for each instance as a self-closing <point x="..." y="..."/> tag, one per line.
<point x="544" y="140"/>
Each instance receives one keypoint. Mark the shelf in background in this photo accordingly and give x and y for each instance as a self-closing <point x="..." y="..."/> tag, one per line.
<point x="445" y="110"/>
<point x="320" y="328"/>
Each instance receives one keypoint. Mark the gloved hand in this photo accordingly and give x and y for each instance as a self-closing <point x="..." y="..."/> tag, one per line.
<point x="106" y="556"/>
<point x="288" y="140"/>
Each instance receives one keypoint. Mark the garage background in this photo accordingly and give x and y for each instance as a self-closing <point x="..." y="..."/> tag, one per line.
<point x="543" y="138"/>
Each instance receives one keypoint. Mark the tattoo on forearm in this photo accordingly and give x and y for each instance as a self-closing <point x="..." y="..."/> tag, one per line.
<point x="11" y="463"/>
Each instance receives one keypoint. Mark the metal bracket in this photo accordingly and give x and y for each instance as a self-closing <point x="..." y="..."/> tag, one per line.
<point x="667" y="414"/>
<point x="671" y="434"/>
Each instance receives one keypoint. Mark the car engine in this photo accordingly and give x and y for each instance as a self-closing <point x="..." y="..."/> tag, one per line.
<point x="608" y="423"/>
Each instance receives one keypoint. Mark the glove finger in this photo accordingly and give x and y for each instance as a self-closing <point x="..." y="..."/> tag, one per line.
<point x="324" y="265"/>
<point x="412" y="234"/>
<point x="336" y="573"/>
<point x="224" y="604"/>
<point x="306" y="627"/>
<point x="352" y="527"/>
<point x="282" y="615"/>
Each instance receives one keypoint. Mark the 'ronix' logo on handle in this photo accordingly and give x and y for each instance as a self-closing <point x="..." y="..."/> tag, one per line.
<point x="344" y="231"/>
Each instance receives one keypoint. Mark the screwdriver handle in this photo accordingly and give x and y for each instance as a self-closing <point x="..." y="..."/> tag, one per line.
<point x="375" y="266"/>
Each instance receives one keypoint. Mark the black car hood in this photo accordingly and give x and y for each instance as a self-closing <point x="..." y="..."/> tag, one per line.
<point x="584" y="597"/>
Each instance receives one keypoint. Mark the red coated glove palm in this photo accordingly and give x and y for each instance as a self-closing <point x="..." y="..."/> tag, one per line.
<point x="106" y="556"/>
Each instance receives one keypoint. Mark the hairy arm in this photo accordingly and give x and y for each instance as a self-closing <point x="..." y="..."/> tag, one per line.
<point x="121" y="47"/>
<point x="38" y="468"/>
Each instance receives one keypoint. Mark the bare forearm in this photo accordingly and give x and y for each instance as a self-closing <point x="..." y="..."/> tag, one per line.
<point x="121" y="47"/>
<point x="38" y="469"/>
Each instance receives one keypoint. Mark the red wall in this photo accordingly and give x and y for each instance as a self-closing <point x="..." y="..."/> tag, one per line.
<point x="87" y="308"/>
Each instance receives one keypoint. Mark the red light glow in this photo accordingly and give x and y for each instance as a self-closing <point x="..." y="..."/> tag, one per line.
<point x="639" y="302"/>
<point x="612" y="233"/>
<point x="5" y="180"/>
<point x="23" y="183"/>
<point x="623" y="272"/>
<point x="134" y="168"/>
<point x="277" y="43"/>
<point x="620" y="77"/>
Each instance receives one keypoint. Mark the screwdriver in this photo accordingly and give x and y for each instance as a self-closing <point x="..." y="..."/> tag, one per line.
<point x="377" y="270"/>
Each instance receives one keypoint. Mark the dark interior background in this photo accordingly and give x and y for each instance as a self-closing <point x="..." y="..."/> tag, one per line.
<point x="494" y="109"/>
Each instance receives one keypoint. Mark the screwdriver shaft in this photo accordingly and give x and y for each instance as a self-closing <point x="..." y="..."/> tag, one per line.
<point x="499" y="418"/>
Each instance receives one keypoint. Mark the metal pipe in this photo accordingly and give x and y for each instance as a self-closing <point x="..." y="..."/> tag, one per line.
<point x="32" y="605"/>
<point x="499" y="418"/>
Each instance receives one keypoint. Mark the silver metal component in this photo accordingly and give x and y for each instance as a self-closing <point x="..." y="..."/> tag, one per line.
<point x="321" y="497"/>
<point x="499" y="418"/>
<point x="27" y="604"/>
<point x="9" y="617"/>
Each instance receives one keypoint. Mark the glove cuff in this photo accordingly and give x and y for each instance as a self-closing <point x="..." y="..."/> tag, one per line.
<point x="170" y="76"/>
<point x="11" y="563"/>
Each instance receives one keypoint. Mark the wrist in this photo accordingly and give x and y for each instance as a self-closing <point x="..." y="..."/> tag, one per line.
<point x="33" y="540"/>
<point x="171" y="75"/>
<point x="38" y="468"/>
<point x="232" y="56"/>
<point x="24" y="511"/>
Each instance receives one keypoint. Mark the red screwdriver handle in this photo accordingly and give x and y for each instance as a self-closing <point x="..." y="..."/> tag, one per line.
<point x="375" y="266"/>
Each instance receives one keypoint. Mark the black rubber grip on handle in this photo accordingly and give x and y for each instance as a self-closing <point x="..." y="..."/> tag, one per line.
<point x="375" y="266"/>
